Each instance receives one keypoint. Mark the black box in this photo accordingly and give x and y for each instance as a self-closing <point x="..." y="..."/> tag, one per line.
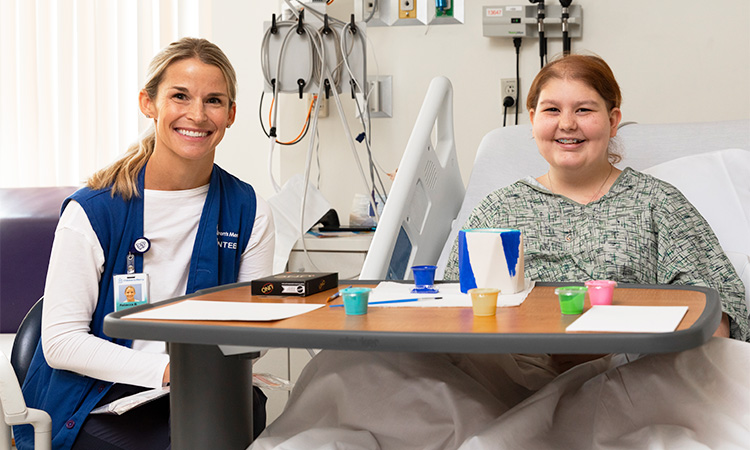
<point x="295" y="283"/>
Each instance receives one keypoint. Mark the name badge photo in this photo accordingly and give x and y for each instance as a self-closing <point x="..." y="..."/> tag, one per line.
<point x="130" y="290"/>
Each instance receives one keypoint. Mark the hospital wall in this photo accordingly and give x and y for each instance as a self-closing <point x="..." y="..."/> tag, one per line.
<point x="675" y="60"/>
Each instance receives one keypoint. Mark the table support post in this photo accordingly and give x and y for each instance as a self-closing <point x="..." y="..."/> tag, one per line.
<point x="210" y="398"/>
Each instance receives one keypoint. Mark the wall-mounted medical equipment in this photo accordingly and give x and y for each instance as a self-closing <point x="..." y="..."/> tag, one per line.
<point x="540" y="30"/>
<point x="509" y="21"/>
<point x="308" y="51"/>
<point x="295" y="50"/>
<point x="565" y="22"/>
<point x="535" y="20"/>
<point x="379" y="13"/>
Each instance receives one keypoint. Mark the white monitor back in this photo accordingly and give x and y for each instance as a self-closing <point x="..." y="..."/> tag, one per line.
<point x="425" y="197"/>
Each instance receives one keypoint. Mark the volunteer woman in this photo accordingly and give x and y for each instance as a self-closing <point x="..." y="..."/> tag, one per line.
<point x="157" y="213"/>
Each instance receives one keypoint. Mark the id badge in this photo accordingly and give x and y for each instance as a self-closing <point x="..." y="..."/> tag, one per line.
<point x="130" y="290"/>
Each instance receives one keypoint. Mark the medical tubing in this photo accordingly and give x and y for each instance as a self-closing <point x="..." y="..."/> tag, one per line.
<point x="367" y="149"/>
<point x="373" y="167"/>
<point x="317" y="157"/>
<point x="275" y="111"/>
<point x="305" y="124"/>
<point x="350" y="138"/>
<point x="346" y="58"/>
<point x="368" y="127"/>
<point x="275" y="185"/>
<point x="346" y="27"/>
<point x="362" y="111"/>
<point x="336" y="80"/>
<point x="318" y="41"/>
<point x="517" y="45"/>
<point x="282" y="50"/>
<point x="326" y="71"/>
<point x="265" y="54"/>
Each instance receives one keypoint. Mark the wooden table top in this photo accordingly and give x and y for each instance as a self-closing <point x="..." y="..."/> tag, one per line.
<point x="520" y="328"/>
<point x="539" y="313"/>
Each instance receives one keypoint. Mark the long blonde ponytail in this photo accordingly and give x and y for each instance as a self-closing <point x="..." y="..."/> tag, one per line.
<point x="122" y="175"/>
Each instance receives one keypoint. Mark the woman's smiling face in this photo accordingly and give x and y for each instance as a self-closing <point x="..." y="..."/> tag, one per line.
<point x="572" y="125"/>
<point x="191" y="111"/>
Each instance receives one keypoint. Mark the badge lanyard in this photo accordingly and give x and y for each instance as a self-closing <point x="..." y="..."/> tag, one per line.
<point x="132" y="289"/>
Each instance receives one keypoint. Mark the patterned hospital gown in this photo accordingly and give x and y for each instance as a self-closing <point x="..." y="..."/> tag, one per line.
<point x="642" y="231"/>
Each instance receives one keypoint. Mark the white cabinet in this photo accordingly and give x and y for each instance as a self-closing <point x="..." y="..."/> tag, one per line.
<point x="344" y="254"/>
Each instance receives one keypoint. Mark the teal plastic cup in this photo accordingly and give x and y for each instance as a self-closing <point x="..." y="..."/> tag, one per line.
<point x="571" y="299"/>
<point x="355" y="300"/>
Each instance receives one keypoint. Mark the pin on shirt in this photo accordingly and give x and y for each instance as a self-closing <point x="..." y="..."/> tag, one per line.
<point x="139" y="246"/>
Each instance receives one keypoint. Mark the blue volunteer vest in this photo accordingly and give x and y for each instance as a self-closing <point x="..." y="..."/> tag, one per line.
<point x="224" y="229"/>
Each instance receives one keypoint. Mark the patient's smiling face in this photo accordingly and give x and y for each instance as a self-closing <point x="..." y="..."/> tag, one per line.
<point x="572" y="125"/>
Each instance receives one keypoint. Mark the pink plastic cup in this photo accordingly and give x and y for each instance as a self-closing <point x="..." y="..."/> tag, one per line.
<point x="600" y="291"/>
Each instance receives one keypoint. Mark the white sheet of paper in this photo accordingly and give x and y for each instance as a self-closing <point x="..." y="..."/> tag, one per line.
<point x="450" y="292"/>
<point x="229" y="311"/>
<point x="630" y="319"/>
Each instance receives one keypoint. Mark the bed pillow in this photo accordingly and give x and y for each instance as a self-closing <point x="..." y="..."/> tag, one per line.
<point x="718" y="185"/>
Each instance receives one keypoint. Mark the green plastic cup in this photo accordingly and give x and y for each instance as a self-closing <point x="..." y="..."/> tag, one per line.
<point x="571" y="298"/>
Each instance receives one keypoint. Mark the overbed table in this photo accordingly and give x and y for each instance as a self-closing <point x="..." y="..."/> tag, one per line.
<point x="211" y="393"/>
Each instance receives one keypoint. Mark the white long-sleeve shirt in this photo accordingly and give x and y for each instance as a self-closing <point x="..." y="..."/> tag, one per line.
<point x="170" y="222"/>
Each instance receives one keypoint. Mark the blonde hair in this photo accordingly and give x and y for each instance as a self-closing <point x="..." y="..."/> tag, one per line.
<point x="122" y="175"/>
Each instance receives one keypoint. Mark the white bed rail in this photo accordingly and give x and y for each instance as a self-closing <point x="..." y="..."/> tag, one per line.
<point x="426" y="194"/>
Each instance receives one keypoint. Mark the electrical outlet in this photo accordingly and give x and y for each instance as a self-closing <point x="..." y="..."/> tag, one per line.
<point x="509" y="88"/>
<point x="407" y="9"/>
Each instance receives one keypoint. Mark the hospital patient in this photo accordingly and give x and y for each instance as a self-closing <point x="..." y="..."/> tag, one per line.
<point x="583" y="219"/>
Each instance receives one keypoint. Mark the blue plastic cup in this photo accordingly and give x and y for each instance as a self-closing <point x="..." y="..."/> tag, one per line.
<point x="355" y="300"/>
<point x="424" y="278"/>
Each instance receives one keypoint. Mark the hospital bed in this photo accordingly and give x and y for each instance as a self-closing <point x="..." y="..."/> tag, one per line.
<point x="709" y="162"/>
